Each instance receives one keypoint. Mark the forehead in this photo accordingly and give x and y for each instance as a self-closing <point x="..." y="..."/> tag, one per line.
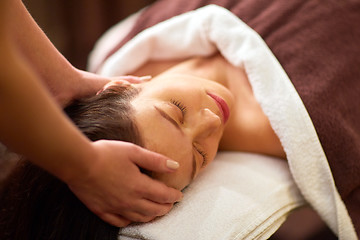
<point x="174" y="81"/>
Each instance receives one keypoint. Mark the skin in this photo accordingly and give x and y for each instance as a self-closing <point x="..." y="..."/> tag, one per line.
<point x="33" y="124"/>
<point x="192" y="136"/>
<point x="201" y="130"/>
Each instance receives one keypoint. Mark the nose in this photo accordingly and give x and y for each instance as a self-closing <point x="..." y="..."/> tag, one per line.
<point x="208" y="124"/>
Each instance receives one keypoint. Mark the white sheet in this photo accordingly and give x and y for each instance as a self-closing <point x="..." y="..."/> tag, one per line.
<point x="212" y="28"/>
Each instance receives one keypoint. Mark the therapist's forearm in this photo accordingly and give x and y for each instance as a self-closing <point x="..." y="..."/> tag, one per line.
<point x="32" y="124"/>
<point x="63" y="80"/>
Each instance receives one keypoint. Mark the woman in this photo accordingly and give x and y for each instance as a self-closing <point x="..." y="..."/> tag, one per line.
<point x="183" y="113"/>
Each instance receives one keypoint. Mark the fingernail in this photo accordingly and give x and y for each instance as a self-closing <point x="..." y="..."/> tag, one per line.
<point x="145" y="78"/>
<point x="172" y="164"/>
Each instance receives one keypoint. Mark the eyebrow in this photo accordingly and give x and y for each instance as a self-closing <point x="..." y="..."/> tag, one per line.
<point x="173" y="122"/>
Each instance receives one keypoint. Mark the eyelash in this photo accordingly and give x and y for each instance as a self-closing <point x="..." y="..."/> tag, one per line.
<point x="203" y="154"/>
<point x="180" y="105"/>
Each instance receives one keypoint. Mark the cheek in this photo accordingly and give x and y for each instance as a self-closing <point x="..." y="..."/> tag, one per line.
<point x="179" y="179"/>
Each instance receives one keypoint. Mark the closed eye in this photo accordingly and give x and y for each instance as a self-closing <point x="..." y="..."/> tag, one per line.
<point x="204" y="156"/>
<point x="180" y="106"/>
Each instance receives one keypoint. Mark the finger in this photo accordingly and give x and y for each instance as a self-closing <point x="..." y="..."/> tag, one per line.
<point x="136" y="217"/>
<point x="149" y="208"/>
<point x="115" y="220"/>
<point x="113" y="83"/>
<point x="146" y="210"/>
<point x="158" y="192"/>
<point x="124" y="81"/>
<point x="134" y="79"/>
<point x="153" y="161"/>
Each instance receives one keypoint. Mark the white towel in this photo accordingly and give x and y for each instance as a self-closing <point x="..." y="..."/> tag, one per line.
<point x="239" y="196"/>
<point x="206" y="30"/>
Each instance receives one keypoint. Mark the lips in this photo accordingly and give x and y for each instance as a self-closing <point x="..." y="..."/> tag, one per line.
<point x="224" y="108"/>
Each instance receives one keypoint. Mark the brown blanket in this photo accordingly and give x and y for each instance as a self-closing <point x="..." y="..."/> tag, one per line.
<point x="318" y="44"/>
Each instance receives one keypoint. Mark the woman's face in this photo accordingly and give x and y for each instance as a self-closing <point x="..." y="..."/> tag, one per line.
<point x="183" y="118"/>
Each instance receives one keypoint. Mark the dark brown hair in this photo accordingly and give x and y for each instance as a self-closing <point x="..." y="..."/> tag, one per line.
<point x="36" y="205"/>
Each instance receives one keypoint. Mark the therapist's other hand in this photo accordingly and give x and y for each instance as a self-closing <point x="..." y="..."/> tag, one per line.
<point x="84" y="84"/>
<point x="118" y="192"/>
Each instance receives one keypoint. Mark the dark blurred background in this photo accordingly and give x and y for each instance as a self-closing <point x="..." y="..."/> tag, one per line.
<point x="74" y="25"/>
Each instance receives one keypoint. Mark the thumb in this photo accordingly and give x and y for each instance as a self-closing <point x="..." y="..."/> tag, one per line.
<point x="154" y="161"/>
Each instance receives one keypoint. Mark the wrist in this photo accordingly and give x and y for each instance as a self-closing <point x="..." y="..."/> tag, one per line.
<point x="80" y="165"/>
<point x="68" y="91"/>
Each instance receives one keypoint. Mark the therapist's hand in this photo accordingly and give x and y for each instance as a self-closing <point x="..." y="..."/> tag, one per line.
<point x="83" y="84"/>
<point x="118" y="192"/>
